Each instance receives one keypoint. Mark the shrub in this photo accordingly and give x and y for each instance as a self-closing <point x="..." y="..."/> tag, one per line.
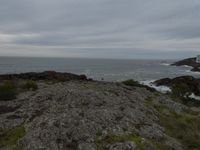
<point x="180" y="90"/>
<point x="134" y="83"/>
<point x="30" y="85"/>
<point x="131" y="82"/>
<point x="8" y="91"/>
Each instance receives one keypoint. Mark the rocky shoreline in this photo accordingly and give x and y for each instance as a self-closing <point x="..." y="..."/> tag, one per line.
<point x="188" y="82"/>
<point x="189" y="62"/>
<point x="74" y="113"/>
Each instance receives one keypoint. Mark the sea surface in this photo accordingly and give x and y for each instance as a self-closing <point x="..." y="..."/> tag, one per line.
<point x="99" y="69"/>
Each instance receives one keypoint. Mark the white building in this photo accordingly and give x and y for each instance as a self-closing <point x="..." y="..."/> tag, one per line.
<point x="198" y="59"/>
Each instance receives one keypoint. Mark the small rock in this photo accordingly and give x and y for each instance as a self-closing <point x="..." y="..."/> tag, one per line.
<point x="86" y="146"/>
<point x="122" y="146"/>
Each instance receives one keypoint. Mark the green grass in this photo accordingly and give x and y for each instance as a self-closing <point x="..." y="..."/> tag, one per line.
<point x="30" y="85"/>
<point x="111" y="139"/>
<point x="9" y="139"/>
<point x="185" y="127"/>
<point x="141" y="143"/>
<point x="148" y="101"/>
<point x="162" y="108"/>
<point x="8" y="91"/>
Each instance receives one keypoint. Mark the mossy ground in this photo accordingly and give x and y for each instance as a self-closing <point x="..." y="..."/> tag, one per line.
<point x="148" y="101"/>
<point x="30" y="85"/>
<point x="111" y="139"/>
<point x="10" y="138"/>
<point x="140" y="142"/>
<point x="185" y="127"/>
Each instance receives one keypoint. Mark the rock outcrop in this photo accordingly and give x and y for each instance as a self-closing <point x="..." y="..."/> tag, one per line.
<point x="196" y="69"/>
<point x="189" y="62"/>
<point x="89" y="115"/>
<point x="189" y="82"/>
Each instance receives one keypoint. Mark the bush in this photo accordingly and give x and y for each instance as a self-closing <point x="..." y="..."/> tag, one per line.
<point x="134" y="83"/>
<point x="8" y="91"/>
<point x="131" y="82"/>
<point x="30" y="85"/>
<point x="181" y="90"/>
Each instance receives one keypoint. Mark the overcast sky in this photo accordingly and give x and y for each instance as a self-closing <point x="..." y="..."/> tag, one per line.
<point x="100" y="28"/>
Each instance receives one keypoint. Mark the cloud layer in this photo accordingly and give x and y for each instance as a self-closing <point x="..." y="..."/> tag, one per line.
<point x="94" y="28"/>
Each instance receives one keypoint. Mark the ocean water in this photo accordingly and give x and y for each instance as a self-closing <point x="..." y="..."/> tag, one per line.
<point x="99" y="69"/>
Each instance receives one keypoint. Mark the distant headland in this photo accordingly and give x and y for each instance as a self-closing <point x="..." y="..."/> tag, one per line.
<point x="192" y="62"/>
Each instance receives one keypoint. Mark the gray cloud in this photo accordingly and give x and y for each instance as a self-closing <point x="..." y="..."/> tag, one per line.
<point x="68" y="27"/>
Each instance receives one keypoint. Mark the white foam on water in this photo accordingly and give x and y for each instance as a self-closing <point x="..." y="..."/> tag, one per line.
<point x="165" y="64"/>
<point x="194" y="96"/>
<point x="162" y="89"/>
<point x="193" y="72"/>
<point x="187" y="66"/>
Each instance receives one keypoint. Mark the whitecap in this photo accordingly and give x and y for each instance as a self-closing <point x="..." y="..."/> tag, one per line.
<point x="187" y="66"/>
<point x="162" y="89"/>
<point x="194" y="96"/>
<point x="165" y="64"/>
<point x="192" y="72"/>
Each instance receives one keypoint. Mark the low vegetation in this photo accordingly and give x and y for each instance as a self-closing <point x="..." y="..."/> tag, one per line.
<point x="131" y="82"/>
<point x="111" y="139"/>
<point x="190" y="102"/>
<point x="9" y="139"/>
<point x="134" y="83"/>
<point x="180" y="90"/>
<point x="181" y="93"/>
<point x="30" y="85"/>
<point x="185" y="127"/>
<point x="148" y="101"/>
<point x="8" y="91"/>
<point x="140" y="142"/>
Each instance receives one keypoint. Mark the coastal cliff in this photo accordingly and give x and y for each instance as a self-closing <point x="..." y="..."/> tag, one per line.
<point x="81" y="114"/>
